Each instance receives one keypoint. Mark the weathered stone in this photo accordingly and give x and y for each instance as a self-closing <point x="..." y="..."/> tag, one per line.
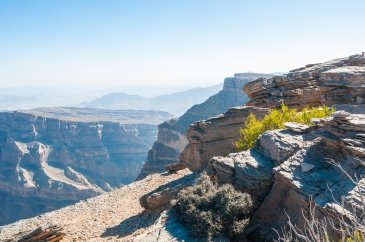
<point x="340" y="81"/>
<point x="172" y="137"/>
<point x="297" y="127"/>
<point x="307" y="173"/>
<point x="279" y="145"/>
<point x="248" y="171"/>
<point x="216" y="136"/>
<point x="163" y="195"/>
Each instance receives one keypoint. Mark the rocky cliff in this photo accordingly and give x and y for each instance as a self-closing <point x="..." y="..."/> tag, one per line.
<point x="215" y="136"/>
<point x="339" y="81"/>
<point x="47" y="163"/>
<point x="172" y="137"/>
<point x="288" y="168"/>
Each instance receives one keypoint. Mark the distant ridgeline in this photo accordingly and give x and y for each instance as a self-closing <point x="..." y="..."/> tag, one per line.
<point x="172" y="134"/>
<point x="53" y="157"/>
<point x="175" y="103"/>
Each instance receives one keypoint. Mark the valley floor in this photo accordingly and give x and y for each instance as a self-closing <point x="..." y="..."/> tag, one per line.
<point x="115" y="216"/>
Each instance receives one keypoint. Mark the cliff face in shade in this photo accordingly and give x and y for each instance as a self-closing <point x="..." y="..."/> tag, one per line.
<point x="172" y="134"/>
<point x="216" y="136"/>
<point x="340" y="81"/>
<point x="47" y="163"/>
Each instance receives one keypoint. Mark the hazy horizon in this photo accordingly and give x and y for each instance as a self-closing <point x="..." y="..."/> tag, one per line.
<point x="176" y="43"/>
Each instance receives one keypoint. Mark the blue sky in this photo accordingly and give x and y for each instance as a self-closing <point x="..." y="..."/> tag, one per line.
<point x="169" y="42"/>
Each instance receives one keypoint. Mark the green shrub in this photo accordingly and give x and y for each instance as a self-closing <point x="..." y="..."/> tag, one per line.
<point x="209" y="210"/>
<point x="275" y="120"/>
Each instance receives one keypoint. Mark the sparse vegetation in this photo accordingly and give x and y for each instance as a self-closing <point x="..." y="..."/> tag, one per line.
<point x="211" y="210"/>
<point x="346" y="226"/>
<point x="275" y="120"/>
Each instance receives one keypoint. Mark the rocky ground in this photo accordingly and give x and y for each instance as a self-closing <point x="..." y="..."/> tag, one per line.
<point x="115" y="216"/>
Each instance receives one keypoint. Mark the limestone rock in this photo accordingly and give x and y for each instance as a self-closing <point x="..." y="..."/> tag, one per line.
<point x="166" y="151"/>
<point x="215" y="136"/>
<point x="307" y="173"/>
<point x="287" y="167"/>
<point x="248" y="171"/>
<point x="340" y="81"/>
<point x="163" y="195"/>
<point x="297" y="127"/>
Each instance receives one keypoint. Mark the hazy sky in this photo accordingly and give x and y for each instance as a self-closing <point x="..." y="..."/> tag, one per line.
<point x="169" y="42"/>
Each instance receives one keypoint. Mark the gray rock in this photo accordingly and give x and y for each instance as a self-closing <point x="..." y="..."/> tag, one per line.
<point x="297" y="127"/>
<point x="339" y="81"/>
<point x="163" y="195"/>
<point x="215" y="136"/>
<point x="165" y="152"/>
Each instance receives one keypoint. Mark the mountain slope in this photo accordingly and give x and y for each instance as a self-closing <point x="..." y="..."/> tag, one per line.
<point x="172" y="134"/>
<point x="176" y="103"/>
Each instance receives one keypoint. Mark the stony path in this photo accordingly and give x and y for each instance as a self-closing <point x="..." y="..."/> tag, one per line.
<point x="115" y="216"/>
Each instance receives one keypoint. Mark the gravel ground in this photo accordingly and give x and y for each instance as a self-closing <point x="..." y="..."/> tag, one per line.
<point x="115" y="216"/>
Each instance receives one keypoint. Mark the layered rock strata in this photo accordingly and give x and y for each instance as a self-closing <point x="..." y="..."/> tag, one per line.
<point x="47" y="163"/>
<point x="289" y="168"/>
<point x="172" y="137"/>
<point x="215" y="136"/>
<point x="340" y="81"/>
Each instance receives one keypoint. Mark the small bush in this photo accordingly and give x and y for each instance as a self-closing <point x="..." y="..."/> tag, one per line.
<point x="275" y="120"/>
<point x="210" y="210"/>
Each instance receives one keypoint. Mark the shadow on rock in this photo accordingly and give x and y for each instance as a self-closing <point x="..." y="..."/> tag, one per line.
<point x="132" y="224"/>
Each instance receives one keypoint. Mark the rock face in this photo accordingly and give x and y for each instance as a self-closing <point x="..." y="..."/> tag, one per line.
<point x="215" y="136"/>
<point x="47" y="163"/>
<point x="341" y="81"/>
<point x="172" y="134"/>
<point x="288" y="167"/>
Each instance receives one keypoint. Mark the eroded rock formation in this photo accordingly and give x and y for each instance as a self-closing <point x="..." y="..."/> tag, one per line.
<point x="47" y="163"/>
<point x="215" y="136"/>
<point x="340" y="81"/>
<point x="172" y="137"/>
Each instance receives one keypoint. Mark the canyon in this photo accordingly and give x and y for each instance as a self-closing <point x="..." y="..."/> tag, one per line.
<point x="287" y="172"/>
<point x="52" y="157"/>
<point x="172" y="134"/>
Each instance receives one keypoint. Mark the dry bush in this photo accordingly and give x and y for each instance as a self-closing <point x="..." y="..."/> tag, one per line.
<point x="210" y="210"/>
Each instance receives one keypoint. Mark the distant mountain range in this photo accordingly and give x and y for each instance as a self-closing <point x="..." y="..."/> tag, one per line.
<point x="175" y="103"/>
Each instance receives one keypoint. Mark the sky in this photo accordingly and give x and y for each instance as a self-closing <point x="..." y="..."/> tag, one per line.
<point x="116" y="43"/>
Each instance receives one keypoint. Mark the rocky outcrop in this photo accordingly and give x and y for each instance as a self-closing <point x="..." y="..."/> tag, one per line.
<point x="113" y="216"/>
<point x="163" y="195"/>
<point x="288" y="168"/>
<point x="47" y="163"/>
<point x="252" y="171"/>
<point x="172" y="134"/>
<point x="340" y="81"/>
<point x="215" y="136"/>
